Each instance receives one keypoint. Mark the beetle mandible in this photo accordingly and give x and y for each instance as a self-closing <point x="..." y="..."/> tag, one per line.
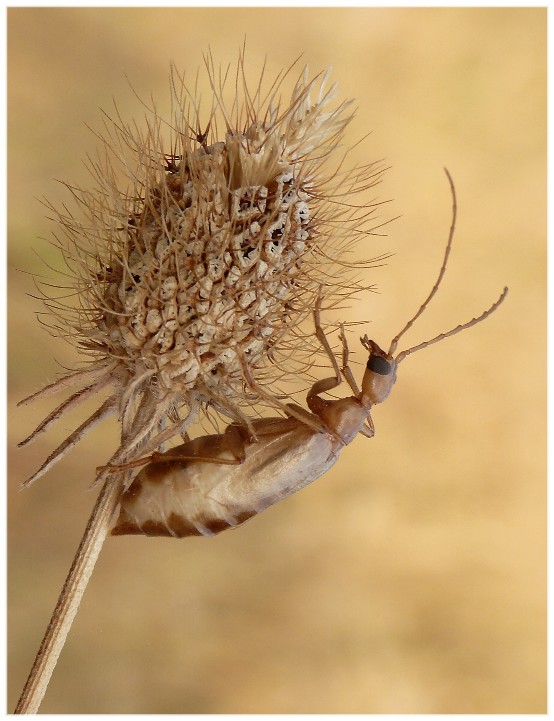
<point x="215" y="482"/>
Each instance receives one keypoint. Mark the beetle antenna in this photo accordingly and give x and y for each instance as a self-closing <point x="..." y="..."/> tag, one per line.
<point x="434" y="289"/>
<point x="455" y="330"/>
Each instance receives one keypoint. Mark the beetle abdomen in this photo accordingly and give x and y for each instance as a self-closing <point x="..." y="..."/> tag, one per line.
<point x="167" y="499"/>
<point x="175" y="526"/>
<point x="190" y="497"/>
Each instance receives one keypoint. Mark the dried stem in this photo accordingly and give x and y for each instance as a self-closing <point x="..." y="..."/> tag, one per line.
<point x="70" y="597"/>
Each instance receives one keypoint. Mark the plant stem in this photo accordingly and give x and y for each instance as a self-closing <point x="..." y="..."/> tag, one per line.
<point x="70" y="597"/>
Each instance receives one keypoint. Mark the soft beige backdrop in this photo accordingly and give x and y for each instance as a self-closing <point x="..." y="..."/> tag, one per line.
<point x="410" y="579"/>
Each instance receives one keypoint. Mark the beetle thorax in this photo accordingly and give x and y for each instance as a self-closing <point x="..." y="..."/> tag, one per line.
<point x="344" y="418"/>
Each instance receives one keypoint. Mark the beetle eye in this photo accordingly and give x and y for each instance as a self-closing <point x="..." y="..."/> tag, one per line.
<point x="379" y="365"/>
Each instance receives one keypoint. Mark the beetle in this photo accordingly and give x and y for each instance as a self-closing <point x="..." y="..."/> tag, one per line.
<point x="218" y="481"/>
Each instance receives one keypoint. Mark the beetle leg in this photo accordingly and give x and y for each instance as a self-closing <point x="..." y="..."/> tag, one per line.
<point x="368" y="429"/>
<point x="210" y="449"/>
<point x="346" y="372"/>
<point x="288" y="408"/>
<point x="118" y="467"/>
<point x="167" y="458"/>
<point x="315" y="403"/>
<point x="296" y="411"/>
<point x="234" y="440"/>
<point x="322" y="338"/>
<point x="223" y="405"/>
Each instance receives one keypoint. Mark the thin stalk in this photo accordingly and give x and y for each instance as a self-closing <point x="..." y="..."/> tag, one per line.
<point x="70" y="597"/>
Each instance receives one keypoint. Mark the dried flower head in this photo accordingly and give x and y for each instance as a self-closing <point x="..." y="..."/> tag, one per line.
<point x="192" y="280"/>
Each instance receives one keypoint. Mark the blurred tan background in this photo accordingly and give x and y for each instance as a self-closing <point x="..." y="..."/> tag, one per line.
<point x="409" y="579"/>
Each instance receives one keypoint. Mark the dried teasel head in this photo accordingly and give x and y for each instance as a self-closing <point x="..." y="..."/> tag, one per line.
<point x="192" y="280"/>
